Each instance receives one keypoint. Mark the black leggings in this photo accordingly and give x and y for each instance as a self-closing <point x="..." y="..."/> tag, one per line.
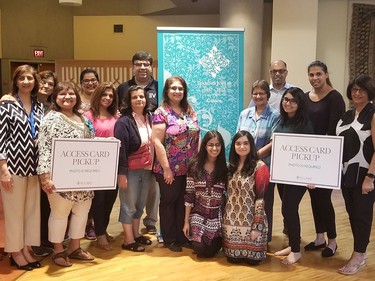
<point x="292" y="196"/>
<point x="205" y="250"/>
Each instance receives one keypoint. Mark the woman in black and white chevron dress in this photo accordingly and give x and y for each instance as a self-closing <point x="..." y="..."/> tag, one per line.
<point x="19" y="124"/>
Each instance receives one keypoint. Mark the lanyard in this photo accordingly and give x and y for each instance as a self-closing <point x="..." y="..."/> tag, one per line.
<point x="29" y="117"/>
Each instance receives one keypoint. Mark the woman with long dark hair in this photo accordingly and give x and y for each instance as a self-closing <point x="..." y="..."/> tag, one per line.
<point x="294" y="120"/>
<point x="205" y="196"/>
<point x="326" y="107"/>
<point x="103" y="115"/>
<point x="245" y="224"/>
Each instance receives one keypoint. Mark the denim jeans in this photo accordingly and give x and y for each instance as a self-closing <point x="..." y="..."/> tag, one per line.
<point x="133" y="199"/>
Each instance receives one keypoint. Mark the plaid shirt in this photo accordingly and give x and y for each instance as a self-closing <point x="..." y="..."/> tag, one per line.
<point x="262" y="128"/>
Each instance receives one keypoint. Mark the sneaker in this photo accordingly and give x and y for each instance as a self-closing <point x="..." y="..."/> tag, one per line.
<point x="41" y="251"/>
<point x="90" y="233"/>
<point x="151" y="229"/>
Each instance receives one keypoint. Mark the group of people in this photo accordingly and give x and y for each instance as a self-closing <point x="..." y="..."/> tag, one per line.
<point x="320" y="111"/>
<point x="205" y="202"/>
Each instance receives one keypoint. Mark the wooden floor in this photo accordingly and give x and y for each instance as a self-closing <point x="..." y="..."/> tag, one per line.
<point x="158" y="263"/>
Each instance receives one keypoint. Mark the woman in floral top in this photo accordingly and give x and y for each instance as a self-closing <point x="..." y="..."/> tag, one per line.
<point x="64" y="121"/>
<point x="175" y="136"/>
<point x="205" y="196"/>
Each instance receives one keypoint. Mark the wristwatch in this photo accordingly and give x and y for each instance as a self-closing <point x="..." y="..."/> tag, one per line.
<point x="370" y="175"/>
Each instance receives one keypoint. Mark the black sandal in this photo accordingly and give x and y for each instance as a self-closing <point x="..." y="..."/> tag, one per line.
<point x="134" y="247"/>
<point x="143" y="240"/>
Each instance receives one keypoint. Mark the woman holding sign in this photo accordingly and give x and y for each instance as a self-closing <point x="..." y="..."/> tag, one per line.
<point x="357" y="126"/>
<point x="294" y="120"/>
<point x="133" y="129"/>
<point x="64" y="121"/>
<point x="103" y="115"/>
<point x="326" y="107"/>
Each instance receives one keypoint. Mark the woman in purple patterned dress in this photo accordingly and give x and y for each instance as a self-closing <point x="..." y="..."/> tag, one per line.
<point x="175" y="136"/>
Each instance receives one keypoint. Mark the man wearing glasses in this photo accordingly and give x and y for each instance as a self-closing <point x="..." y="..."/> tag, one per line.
<point x="278" y="73"/>
<point x="142" y="76"/>
<point x="142" y="70"/>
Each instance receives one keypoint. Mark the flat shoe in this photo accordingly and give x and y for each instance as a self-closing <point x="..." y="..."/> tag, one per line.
<point x="61" y="259"/>
<point x="134" y="247"/>
<point x="173" y="246"/>
<point x="350" y="269"/>
<point x="312" y="247"/>
<point x="328" y="252"/>
<point x="80" y="254"/>
<point x="143" y="240"/>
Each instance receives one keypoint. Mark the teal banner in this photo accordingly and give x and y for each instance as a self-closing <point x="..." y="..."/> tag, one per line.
<point x="211" y="60"/>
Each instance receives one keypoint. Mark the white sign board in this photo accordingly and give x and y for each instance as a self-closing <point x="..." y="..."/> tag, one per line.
<point x="84" y="164"/>
<point x="300" y="159"/>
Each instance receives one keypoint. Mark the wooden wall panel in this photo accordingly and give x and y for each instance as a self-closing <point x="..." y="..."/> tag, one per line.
<point x="116" y="72"/>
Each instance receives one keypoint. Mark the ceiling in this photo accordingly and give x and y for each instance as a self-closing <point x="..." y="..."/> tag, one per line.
<point x="187" y="7"/>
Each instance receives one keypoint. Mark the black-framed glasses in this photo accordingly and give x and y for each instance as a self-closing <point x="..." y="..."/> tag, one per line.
<point x="359" y="90"/>
<point x="280" y="71"/>
<point x="291" y="101"/>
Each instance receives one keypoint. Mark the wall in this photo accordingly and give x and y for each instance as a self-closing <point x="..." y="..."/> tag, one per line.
<point x="294" y="34"/>
<point x="332" y="40"/>
<point x="139" y="34"/>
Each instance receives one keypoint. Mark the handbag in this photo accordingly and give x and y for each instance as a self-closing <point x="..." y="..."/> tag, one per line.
<point x="140" y="159"/>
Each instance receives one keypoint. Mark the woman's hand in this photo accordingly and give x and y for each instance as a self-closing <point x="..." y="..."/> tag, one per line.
<point x="367" y="185"/>
<point x="48" y="187"/>
<point x="254" y="234"/>
<point x="168" y="176"/>
<point x="311" y="186"/>
<point x="6" y="180"/>
<point x="122" y="181"/>
<point x="186" y="229"/>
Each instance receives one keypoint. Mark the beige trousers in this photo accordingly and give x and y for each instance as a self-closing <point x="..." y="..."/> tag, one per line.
<point x="58" y="219"/>
<point x="22" y="213"/>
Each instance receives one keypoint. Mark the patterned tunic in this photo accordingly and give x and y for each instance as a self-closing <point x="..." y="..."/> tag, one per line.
<point x="358" y="147"/>
<point x="57" y="125"/>
<point x="207" y="201"/>
<point x="17" y="145"/>
<point x="181" y="139"/>
<point x="243" y="213"/>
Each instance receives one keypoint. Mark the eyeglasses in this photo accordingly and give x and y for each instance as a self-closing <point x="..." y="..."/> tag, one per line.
<point x="140" y="64"/>
<point x="258" y="94"/>
<point x="87" y="81"/>
<point x="212" y="145"/>
<point x="291" y="101"/>
<point x="359" y="90"/>
<point x="174" y="88"/>
<point x="280" y="71"/>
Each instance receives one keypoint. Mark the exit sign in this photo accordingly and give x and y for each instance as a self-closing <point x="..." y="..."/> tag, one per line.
<point x="38" y="53"/>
